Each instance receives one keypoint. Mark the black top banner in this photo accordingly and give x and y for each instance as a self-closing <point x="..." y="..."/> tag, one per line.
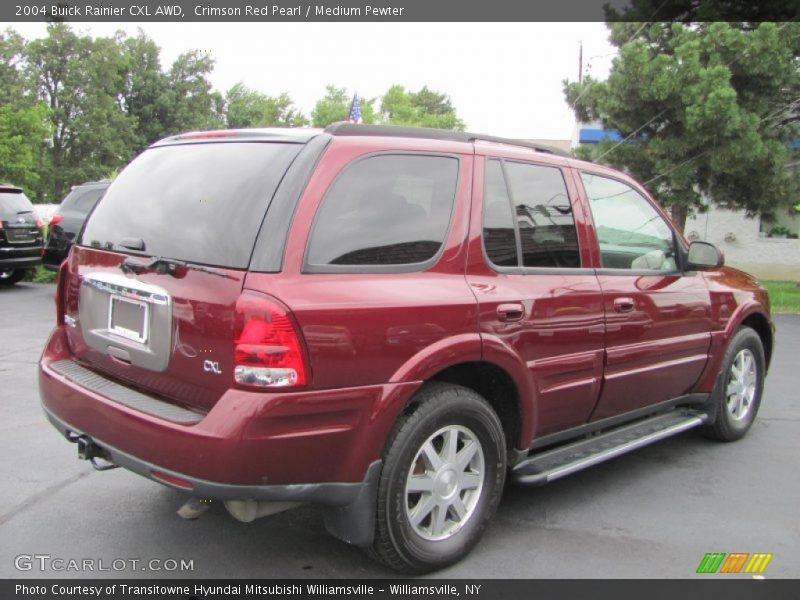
<point x="12" y="11"/>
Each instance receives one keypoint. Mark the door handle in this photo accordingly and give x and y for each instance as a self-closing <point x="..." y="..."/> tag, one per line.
<point x="510" y="312"/>
<point x="624" y="305"/>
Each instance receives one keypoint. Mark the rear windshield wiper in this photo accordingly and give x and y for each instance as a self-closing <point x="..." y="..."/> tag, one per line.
<point x="167" y="266"/>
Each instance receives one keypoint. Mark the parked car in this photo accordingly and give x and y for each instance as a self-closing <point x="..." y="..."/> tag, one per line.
<point x="389" y="322"/>
<point x="20" y="235"/>
<point x="68" y="220"/>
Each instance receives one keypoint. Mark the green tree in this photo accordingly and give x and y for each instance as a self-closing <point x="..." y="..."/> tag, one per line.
<point x="191" y="102"/>
<point x="79" y="79"/>
<point x="23" y="120"/>
<point x="145" y="89"/>
<point x="425" y="108"/>
<point x="704" y="109"/>
<point x="334" y="106"/>
<point x="12" y="80"/>
<point x="247" y="108"/>
<point x="21" y="133"/>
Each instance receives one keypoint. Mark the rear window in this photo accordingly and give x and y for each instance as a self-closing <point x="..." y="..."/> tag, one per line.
<point x="13" y="203"/>
<point x="201" y="203"/>
<point x="385" y="210"/>
<point x="82" y="200"/>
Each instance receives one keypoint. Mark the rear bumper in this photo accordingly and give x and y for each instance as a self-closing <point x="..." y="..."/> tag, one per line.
<point x="15" y="260"/>
<point x="315" y="446"/>
<point x="329" y="494"/>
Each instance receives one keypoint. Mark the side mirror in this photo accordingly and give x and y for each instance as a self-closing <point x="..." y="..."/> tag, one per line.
<point x="703" y="254"/>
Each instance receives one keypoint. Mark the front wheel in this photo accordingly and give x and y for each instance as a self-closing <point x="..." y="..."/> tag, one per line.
<point x="442" y="479"/>
<point x="11" y="276"/>
<point x="737" y="395"/>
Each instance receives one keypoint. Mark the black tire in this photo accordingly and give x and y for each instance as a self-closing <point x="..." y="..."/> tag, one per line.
<point x="729" y="424"/>
<point x="442" y="412"/>
<point x="12" y="276"/>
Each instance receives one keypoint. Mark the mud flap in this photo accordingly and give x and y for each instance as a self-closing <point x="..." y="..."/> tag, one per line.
<point x="355" y="522"/>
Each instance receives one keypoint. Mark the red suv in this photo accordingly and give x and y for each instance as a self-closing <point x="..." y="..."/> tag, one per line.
<point x="388" y="322"/>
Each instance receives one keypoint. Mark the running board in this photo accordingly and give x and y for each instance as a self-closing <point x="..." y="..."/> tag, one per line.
<point x="586" y="452"/>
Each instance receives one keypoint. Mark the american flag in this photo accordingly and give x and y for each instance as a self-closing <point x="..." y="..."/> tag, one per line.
<point x="355" y="110"/>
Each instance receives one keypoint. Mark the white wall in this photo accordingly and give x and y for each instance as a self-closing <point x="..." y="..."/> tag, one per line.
<point x="745" y="248"/>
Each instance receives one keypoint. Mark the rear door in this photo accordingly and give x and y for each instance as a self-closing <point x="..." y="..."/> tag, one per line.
<point x="167" y="327"/>
<point x="538" y="301"/>
<point x="657" y="317"/>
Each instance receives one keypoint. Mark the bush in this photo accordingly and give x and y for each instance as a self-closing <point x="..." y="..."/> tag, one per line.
<point x="41" y="275"/>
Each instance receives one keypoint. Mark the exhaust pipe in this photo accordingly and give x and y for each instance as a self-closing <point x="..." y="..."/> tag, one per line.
<point x="247" y="511"/>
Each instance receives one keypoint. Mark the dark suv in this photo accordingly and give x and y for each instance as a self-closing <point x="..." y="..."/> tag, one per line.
<point x="389" y="322"/>
<point x="20" y="235"/>
<point x="68" y="221"/>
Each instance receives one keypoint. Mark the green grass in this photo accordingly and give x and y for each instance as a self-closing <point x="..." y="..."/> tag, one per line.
<point x="784" y="296"/>
<point x="41" y="275"/>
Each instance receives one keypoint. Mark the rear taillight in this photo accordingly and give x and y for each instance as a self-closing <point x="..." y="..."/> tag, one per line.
<point x="55" y="220"/>
<point x="268" y="352"/>
<point x="61" y="287"/>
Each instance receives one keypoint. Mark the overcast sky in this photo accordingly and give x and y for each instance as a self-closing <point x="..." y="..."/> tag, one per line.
<point x="503" y="78"/>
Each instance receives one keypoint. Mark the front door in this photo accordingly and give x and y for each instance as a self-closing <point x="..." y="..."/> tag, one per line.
<point x="657" y="317"/>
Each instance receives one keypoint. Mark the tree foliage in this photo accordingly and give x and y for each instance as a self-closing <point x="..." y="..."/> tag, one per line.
<point x="335" y="105"/>
<point x="247" y="108"/>
<point x="704" y="109"/>
<point x="425" y="108"/>
<point x="21" y="133"/>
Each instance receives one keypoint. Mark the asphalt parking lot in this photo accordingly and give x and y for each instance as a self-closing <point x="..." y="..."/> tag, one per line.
<point x="650" y="514"/>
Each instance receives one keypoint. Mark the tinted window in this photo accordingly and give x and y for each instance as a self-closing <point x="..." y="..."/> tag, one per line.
<point x="499" y="237"/>
<point x="630" y="232"/>
<point x="81" y="200"/>
<point x="544" y="216"/>
<point x="385" y="210"/>
<point x="200" y="203"/>
<point x="13" y="203"/>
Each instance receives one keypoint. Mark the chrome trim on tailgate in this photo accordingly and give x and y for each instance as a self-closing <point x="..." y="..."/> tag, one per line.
<point x="124" y="395"/>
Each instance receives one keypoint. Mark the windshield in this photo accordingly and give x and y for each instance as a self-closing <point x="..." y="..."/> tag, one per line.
<point x="200" y="203"/>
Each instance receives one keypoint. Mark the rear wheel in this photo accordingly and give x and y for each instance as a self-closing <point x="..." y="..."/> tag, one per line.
<point x="443" y="475"/>
<point x="737" y="396"/>
<point x="11" y="276"/>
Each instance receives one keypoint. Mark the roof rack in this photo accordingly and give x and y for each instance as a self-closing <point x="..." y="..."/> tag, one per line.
<point x="344" y="128"/>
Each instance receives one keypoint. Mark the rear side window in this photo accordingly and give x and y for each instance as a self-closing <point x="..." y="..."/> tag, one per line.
<point x="499" y="236"/>
<point x="385" y="210"/>
<point x="201" y="203"/>
<point x="545" y="225"/>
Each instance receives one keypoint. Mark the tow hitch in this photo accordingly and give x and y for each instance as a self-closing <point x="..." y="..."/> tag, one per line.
<point x="88" y="450"/>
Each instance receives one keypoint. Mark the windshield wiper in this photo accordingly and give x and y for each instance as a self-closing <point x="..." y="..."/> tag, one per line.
<point x="167" y="266"/>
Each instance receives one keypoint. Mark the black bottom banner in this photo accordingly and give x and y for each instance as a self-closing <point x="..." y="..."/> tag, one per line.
<point x="489" y="589"/>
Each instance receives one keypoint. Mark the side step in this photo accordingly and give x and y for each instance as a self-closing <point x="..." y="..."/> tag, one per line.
<point x="586" y="452"/>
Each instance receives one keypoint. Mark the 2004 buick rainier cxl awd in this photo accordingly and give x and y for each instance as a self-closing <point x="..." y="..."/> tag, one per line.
<point x="389" y="323"/>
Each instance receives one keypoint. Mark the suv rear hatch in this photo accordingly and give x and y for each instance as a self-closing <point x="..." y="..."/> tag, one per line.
<point x="19" y="225"/>
<point x="149" y="292"/>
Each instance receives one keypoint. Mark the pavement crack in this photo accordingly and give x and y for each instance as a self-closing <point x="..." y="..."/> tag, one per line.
<point x="38" y="497"/>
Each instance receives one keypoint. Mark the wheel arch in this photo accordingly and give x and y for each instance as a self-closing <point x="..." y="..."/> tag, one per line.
<point x="494" y="385"/>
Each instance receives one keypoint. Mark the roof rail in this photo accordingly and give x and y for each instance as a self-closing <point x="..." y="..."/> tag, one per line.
<point x="344" y="128"/>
